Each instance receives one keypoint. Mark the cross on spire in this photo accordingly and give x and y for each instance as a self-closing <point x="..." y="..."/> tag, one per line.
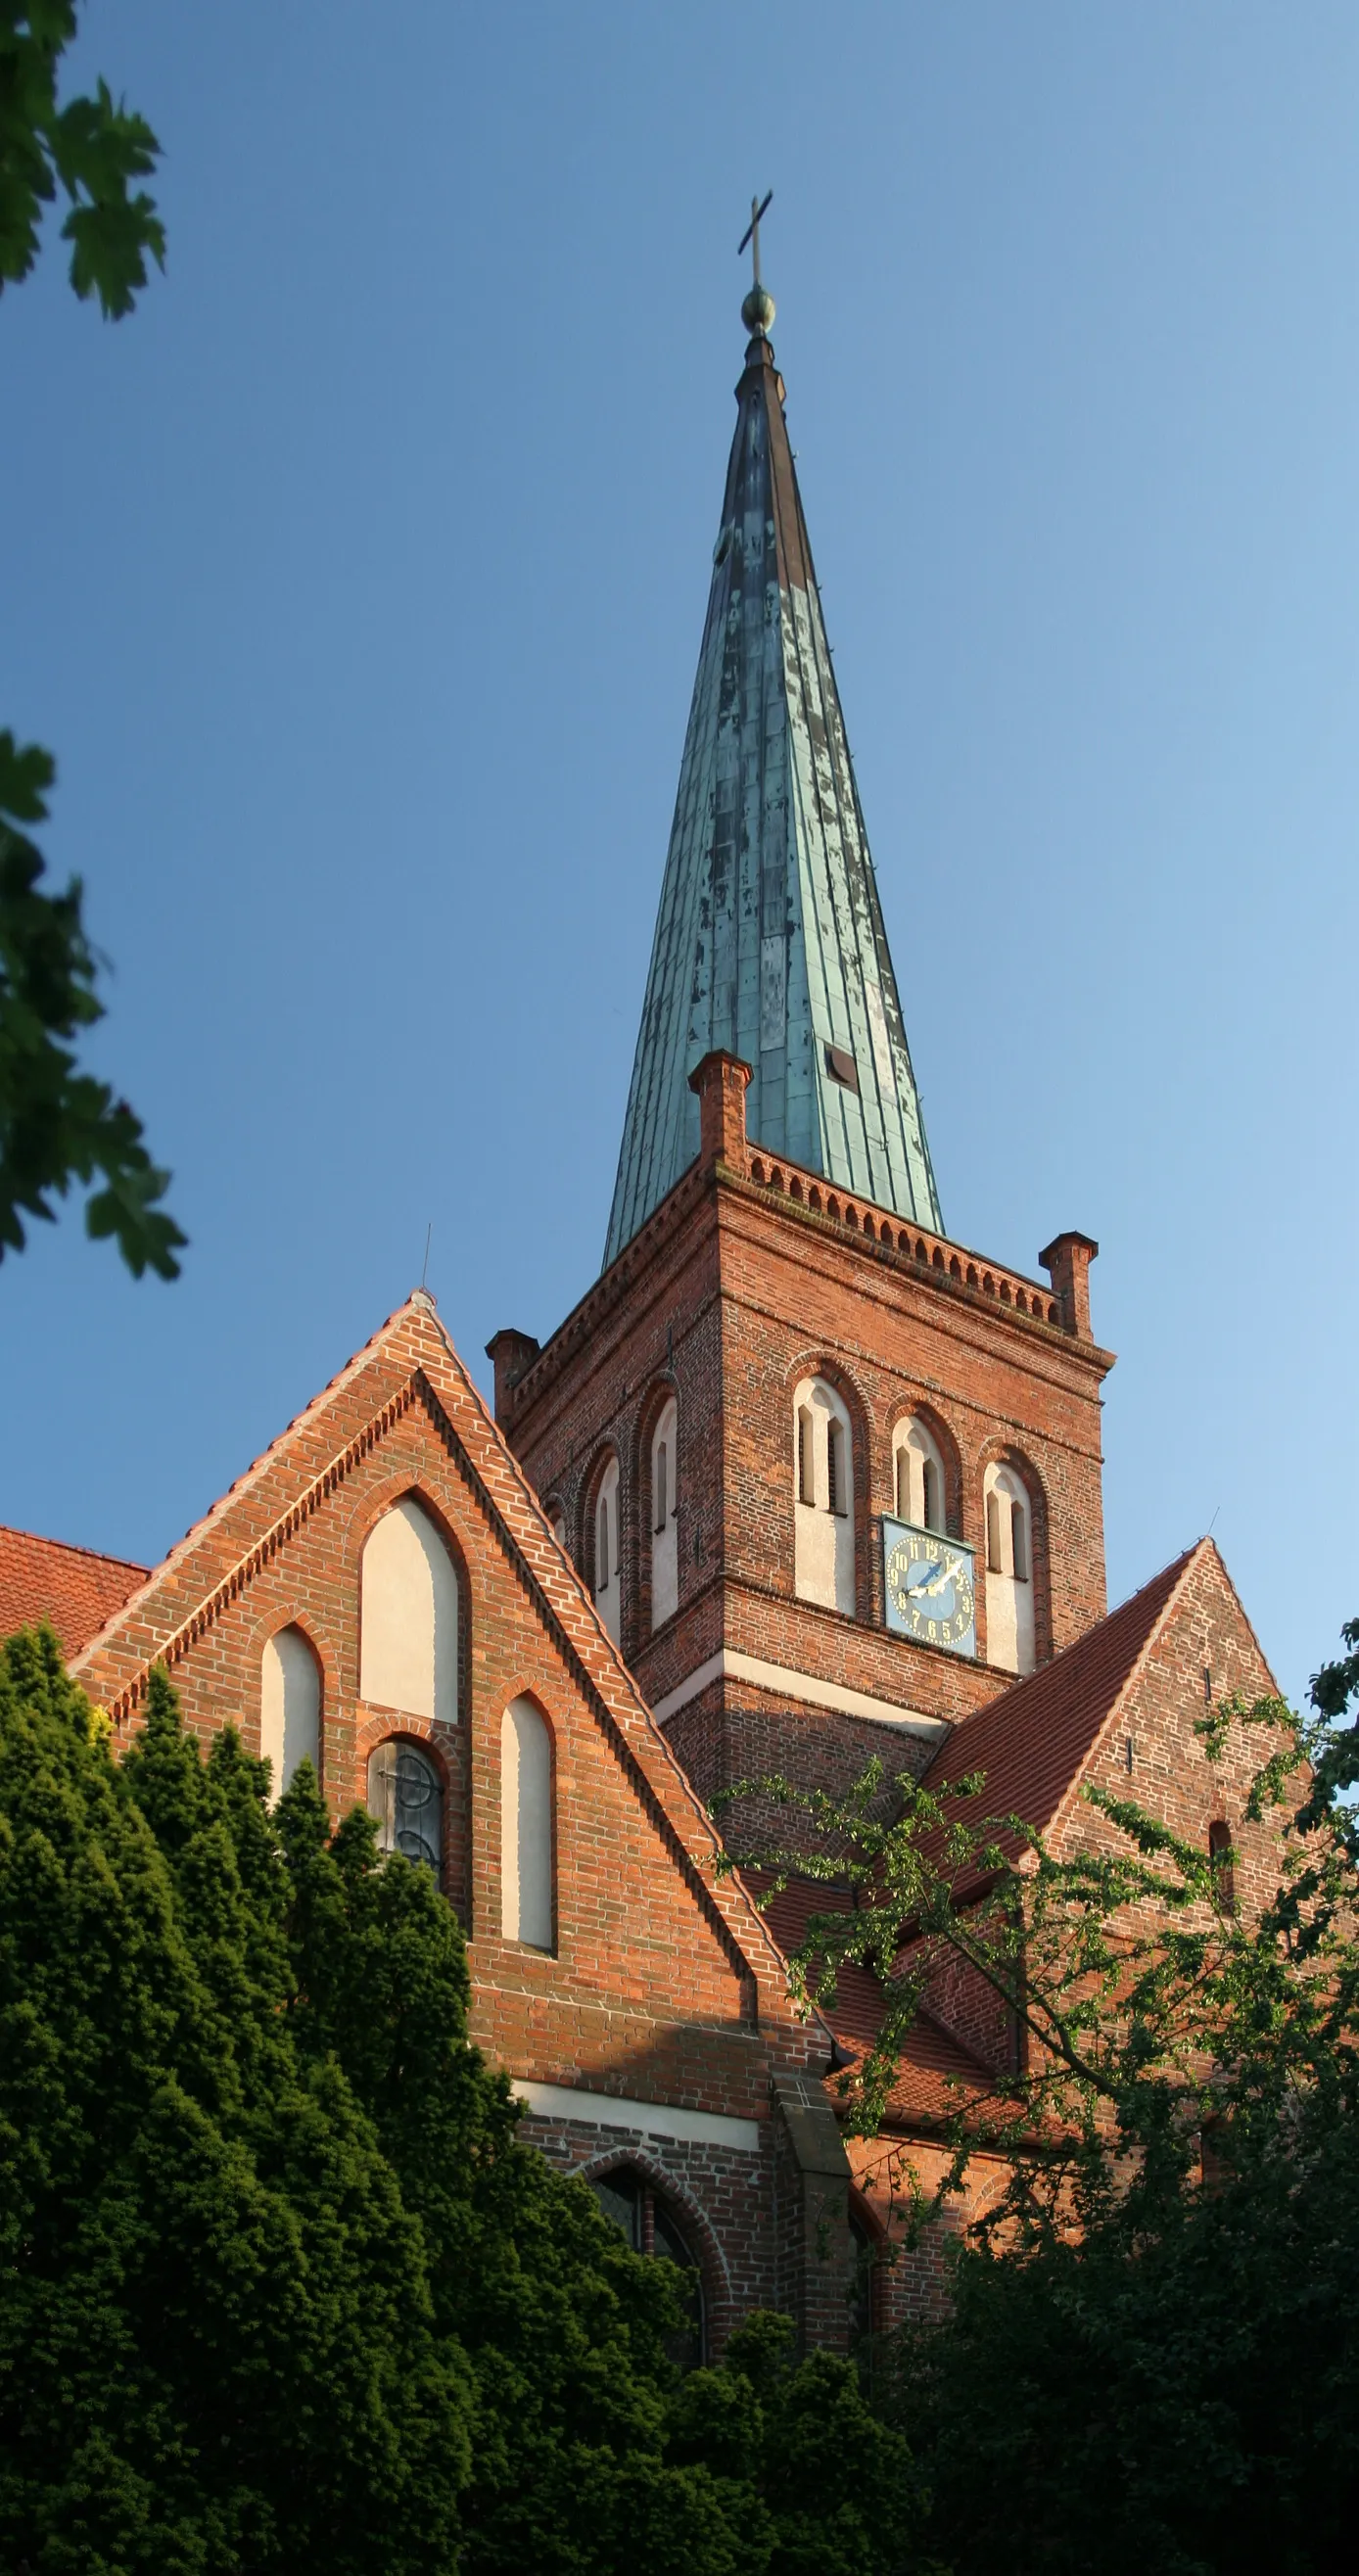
<point x="752" y="231"/>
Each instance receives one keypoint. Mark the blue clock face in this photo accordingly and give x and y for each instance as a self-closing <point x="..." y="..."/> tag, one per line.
<point x="929" y="1587"/>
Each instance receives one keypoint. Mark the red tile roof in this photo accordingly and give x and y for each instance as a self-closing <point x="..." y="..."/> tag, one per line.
<point x="1035" y="1740"/>
<point x="76" y="1589"/>
<point x="1033" y="1744"/>
<point x="932" y="2065"/>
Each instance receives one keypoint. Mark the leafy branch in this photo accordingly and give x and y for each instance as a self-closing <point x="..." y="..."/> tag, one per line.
<point x="58" y="1124"/>
<point x="92" y="150"/>
<point x="1131" y="2011"/>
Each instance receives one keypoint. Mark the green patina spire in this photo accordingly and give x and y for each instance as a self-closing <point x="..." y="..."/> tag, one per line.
<point x="769" y="939"/>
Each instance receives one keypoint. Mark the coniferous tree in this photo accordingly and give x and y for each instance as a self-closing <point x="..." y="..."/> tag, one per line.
<point x="278" y="2286"/>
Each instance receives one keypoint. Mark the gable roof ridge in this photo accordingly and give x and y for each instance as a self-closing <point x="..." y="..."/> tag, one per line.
<point x="250" y="1475"/>
<point x="1180" y="1567"/>
<point x="561" y="1586"/>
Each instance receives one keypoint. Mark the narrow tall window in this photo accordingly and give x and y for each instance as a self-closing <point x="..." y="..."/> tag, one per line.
<point x="929" y="1478"/>
<point x="1220" y="1856"/>
<point x="406" y="1796"/>
<point x="919" y="1477"/>
<point x="608" y="1551"/>
<point x="1010" y="1630"/>
<point x="525" y="1826"/>
<point x="409" y="1617"/>
<point x="823" y="1497"/>
<point x="665" y="1515"/>
<point x="290" y="1707"/>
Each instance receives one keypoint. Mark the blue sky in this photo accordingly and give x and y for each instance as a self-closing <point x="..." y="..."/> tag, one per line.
<point x="358" y="580"/>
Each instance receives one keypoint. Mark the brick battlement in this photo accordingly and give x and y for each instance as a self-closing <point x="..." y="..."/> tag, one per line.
<point x="727" y="1158"/>
<point x="950" y="1265"/>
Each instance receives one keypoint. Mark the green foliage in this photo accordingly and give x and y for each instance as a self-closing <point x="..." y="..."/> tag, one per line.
<point x="91" y="150"/>
<point x="1151" y="2362"/>
<point x="58" y="1124"/>
<point x="278" y="2286"/>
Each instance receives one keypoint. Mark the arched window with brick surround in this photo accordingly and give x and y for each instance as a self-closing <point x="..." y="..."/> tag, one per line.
<point x="823" y="1496"/>
<point x="606" y="1552"/>
<point x="651" y="2226"/>
<point x="665" y="1516"/>
<point x="406" y="1795"/>
<point x="526" y="1836"/>
<point x="408" y="1633"/>
<point x="1009" y="1571"/>
<point x="290" y="1707"/>
<point x="918" y="1476"/>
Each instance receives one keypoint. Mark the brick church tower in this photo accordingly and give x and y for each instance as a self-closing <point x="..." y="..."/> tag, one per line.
<point x="832" y="1478"/>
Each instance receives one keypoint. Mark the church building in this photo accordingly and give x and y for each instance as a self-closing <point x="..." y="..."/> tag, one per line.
<point x="799" y="1481"/>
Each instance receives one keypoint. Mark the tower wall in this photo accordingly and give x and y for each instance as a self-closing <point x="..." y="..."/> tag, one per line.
<point x="749" y="1278"/>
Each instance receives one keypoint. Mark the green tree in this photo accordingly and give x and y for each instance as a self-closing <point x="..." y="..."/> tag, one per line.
<point x="58" y="1124"/>
<point x="1152" y="2360"/>
<point x="278" y="2285"/>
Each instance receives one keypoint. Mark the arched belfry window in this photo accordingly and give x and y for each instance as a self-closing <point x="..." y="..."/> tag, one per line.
<point x="665" y="1516"/>
<point x="409" y="1617"/>
<point x="525" y="1826"/>
<point x="652" y="2227"/>
<point x="606" y="1550"/>
<point x="918" y="1476"/>
<point x="405" y="1793"/>
<point x="823" y="1496"/>
<point x="1009" y="1571"/>
<point x="290" y="1707"/>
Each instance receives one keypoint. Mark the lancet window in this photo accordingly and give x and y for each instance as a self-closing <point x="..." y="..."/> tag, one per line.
<point x="823" y="1496"/>
<point x="526" y="1826"/>
<point x="405" y="1794"/>
<point x="409" y="1617"/>
<point x="290" y="1707"/>
<point x="606" y="1546"/>
<point x="1009" y="1571"/>
<point x="918" y="1476"/>
<point x="665" y="1516"/>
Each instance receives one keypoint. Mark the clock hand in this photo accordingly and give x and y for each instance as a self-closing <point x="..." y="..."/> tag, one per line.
<point x="932" y="1579"/>
<point x="943" y="1573"/>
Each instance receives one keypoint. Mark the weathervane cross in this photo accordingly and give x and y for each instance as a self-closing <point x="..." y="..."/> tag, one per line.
<point x="752" y="231"/>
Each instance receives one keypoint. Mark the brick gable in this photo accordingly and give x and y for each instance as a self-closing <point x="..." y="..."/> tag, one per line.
<point x="664" y="2004"/>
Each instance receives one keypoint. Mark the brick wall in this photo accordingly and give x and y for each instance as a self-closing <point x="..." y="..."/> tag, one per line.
<point x="735" y="1290"/>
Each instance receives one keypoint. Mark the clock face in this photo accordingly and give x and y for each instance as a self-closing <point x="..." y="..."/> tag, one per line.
<point x="929" y="1588"/>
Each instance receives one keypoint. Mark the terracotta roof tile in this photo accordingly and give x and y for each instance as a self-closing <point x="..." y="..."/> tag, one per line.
<point x="933" y="2063"/>
<point x="1034" y="1741"/>
<point x="41" y="1578"/>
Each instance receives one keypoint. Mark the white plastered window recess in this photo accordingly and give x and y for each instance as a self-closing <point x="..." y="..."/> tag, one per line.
<point x="823" y="1497"/>
<point x="918" y="1476"/>
<point x="526" y="1826"/>
<point x="665" y="1516"/>
<point x="1009" y="1571"/>
<point x="408" y="1631"/>
<point x="608" y="1572"/>
<point x="290" y="1708"/>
